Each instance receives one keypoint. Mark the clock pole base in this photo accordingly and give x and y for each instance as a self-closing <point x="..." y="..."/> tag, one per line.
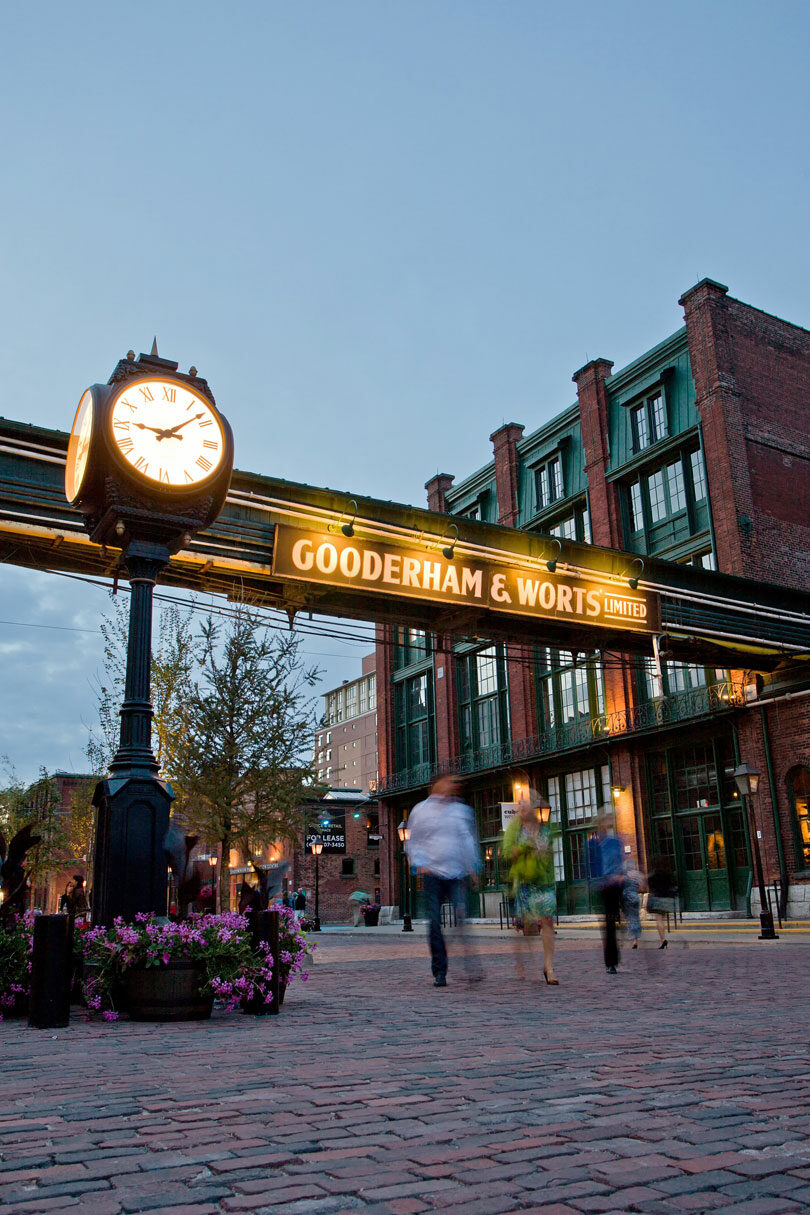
<point x="130" y="866"/>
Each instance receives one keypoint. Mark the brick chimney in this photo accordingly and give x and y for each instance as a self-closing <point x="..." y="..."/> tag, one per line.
<point x="504" y="444"/>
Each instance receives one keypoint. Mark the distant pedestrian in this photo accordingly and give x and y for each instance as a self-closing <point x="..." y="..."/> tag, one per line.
<point x="300" y="903"/>
<point x="528" y="846"/>
<point x="443" y="847"/>
<point x="662" y="897"/>
<point x="607" y="873"/>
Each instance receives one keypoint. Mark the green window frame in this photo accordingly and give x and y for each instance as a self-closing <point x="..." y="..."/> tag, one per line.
<point x="666" y="502"/>
<point x="567" y="691"/>
<point x="483" y="700"/>
<point x="548" y="482"/>
<point x="648" y="421"/>
<point x="414" y="721"/>
<point x="410" y="646"/>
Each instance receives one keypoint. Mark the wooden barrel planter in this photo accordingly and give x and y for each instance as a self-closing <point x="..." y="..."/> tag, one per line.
<point x="167" y="993"/>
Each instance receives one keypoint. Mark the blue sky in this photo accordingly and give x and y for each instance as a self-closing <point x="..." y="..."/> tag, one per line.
<point x="379" y="229"/>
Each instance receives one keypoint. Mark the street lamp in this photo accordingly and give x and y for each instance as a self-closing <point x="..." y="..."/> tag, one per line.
<point x="403" y="831"/>
<point x="317" y="849"/>
<point x="212" y="861"/>
<point x="747" y="779"/>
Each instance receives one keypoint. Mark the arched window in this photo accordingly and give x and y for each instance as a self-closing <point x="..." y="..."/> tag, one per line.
<point x="799" y="788"/>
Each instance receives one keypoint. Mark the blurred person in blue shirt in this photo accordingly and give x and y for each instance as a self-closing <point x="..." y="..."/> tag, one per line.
<point x="606" y="864"/>
<point x="443" y="847"/>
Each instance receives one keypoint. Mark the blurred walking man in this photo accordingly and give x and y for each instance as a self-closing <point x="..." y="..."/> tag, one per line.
<point x="443" y="847"/>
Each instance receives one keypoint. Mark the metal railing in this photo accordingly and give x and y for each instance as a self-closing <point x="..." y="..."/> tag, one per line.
<point x="650" y="715"/>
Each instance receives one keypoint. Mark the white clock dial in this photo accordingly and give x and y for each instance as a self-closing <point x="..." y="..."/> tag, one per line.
<point x="79" y="446"/>
<point x="168" y="433"/>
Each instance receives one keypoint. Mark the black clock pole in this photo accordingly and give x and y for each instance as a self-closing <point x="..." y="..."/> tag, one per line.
<point x="133" y="804"/>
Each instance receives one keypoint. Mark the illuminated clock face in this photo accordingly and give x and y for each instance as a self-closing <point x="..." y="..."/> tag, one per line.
<point x="167" y="433"/>
<point x="79" y="447"/>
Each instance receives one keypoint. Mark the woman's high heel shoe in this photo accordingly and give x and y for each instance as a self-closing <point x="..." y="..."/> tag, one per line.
<point x="634" y="945"/>
<point x="551" y="982"/>
<point x="663" y="945"/>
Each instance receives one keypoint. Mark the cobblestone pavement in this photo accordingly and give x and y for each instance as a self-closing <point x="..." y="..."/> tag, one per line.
<point x="680" y="1084"/>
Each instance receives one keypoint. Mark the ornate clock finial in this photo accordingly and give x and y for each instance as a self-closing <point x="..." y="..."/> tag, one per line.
<point x="154" y="350"/>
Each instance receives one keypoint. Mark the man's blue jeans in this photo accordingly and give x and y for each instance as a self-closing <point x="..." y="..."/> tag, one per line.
<point x="440" y="890"/>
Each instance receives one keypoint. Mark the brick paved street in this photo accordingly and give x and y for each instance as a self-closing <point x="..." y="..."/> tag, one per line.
<point x="681" y="1084"/>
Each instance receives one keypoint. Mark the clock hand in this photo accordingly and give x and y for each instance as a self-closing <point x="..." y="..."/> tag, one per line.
<point x="156" y="429"/>
<point x="172" y="434"/>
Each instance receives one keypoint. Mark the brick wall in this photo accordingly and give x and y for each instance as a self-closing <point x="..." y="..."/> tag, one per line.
<point x="334" y="889"/>
<point x="752" y="379"/>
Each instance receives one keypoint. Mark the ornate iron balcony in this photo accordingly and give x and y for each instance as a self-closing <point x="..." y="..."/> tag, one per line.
<point x="651" y="715"/>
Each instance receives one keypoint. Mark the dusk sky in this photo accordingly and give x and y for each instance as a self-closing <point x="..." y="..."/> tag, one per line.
<point x="379" y="230"/>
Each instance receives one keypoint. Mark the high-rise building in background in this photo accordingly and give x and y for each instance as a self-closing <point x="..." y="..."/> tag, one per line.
<point x="346" y="745"/>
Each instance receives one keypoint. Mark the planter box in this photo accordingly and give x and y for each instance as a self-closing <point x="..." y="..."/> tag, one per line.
<point x="372" y="918"/>
<point x="167" y="993"/>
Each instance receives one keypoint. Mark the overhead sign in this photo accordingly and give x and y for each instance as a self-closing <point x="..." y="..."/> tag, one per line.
<point x="519" y="589"/>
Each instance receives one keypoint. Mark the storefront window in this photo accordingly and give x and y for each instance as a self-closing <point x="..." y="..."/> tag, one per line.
<point x="800" y="795"/>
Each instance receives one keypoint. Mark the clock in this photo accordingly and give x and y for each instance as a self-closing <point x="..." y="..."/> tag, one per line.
<point x="79" y="447"/>
<point x="149" y="455"/>
<point x="167" y="434"/>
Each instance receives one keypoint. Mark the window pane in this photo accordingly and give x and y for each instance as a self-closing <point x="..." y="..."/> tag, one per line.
<point x="636" y="511"/>
<point x="559" y="863"/>
<point x="567" y="695"/>
<point x="542" y="487"/>
<point x="487" y="672"/>
<point x="555" y="479"/>
<point x="658" y="504"/>
<point x="698" y="475"/>
<point x="581" y="690"/>
<point x="641" y="434"/>
<point x="659" y="416"/>
<point x="489" y="732"/>
<point x="586" y="526"/>
<point x="677" y="489"/>
<point x="554" y="798"/>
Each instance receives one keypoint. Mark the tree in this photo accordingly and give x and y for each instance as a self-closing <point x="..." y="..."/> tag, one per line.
<point x="39" y="805"/>
<point x="172" y="669"/>
<point x="243" y="764"/>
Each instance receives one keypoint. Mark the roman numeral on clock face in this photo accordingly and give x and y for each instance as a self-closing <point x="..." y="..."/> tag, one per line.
<point x="146" y="392"/>
<point x="205" y="422"/>
<point x="163" y="476"/>
<point x="203" y="463"/>
<point x="126" y="445"/>
<point x="208" y="443"/>
<point x="121" y="425"/>
<point x="142" y="464"/>
<point x="169" y="394"/>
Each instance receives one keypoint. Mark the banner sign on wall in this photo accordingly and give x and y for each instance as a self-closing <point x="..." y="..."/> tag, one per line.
<point x="374" y="566"/>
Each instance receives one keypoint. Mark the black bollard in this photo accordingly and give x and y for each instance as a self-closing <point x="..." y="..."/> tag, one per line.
<point x="51" y="966"/>
<point x="265" y="926"/>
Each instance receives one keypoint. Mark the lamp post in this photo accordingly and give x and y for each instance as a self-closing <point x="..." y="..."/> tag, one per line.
<point x="212" y="861"/>
<point x="403" y="831"/>
<point x="317" y="849"/>
<point x="747" y="779"/>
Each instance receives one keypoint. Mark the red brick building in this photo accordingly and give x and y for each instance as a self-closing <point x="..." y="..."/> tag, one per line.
<point x="699" y="452"/>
